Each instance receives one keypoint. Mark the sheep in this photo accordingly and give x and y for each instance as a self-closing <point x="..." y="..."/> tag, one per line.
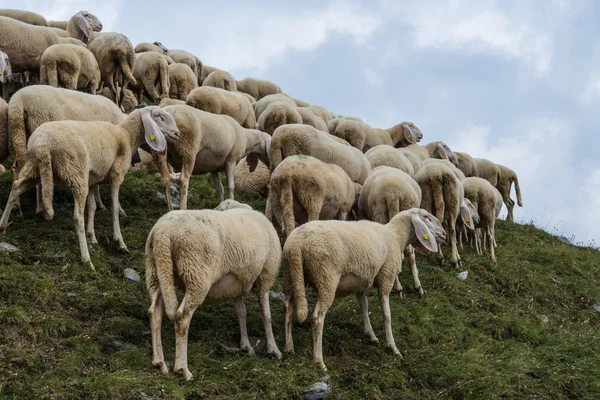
<point x="252" y="183"/>
<point x="239" y="250"/>
<point x="82" y="26"/>
<point x="363" y="137"/>
<point x="81" y="155"/>
<point x="221" y="101"/>
<point x="443" y="195"/>
<point x="457" y="172"/>
<point x="483" y="196"/>
<point x="116" y="59"/>
<point x="386" y="192"/>
<point x="220" y="79"/>
<point x="507" y="177"/>
<point x="183" y="57"/>
<point x="257" y="88"/>
<point x="303" y="189"/>
<point x="206" y="70"/>
<point x="389" y="156"/>
<point x="129" y="99"/>
<point x="338" y="258"/>
<point x="487" y="170"/>
<point x="170" y="102"/>
<point x="262" y="104"/>
<point x="210" y="143"/>
<point x="151" y="70"/>
<point x="277" y="114"/>
<point x="157" y="47"/>
<point x="309" y="118"/>
<point x="321" y="111"/>
<point x="334" y="122"/>
<point x="27" y="17"/>
<point x="24" y="44"/>
<point x="181" y="81"/>
<point x="251" y="99"/>
<point x="295" y="139"/>
<point x="466" y="164"/>
<point x="58" y="24"/>
<point x="73" y="66"/>
<point x="413" y="158"/>
<point x="300" y="103"/>
<point x="437" y="149"/>
<point x="6" y="75"/>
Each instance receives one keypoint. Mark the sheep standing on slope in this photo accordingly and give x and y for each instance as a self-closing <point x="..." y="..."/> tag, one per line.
<point x="181" y="81"/>
<point x="484" y="197"/>
<point x="80" y="155"/>
<point x="5" y="74"/>
<point x="436" y="149"/>
<point x="487" y="170"/>
<point x="82" y="26"/>
<point x="257" y="88"/>
<point x="262" y="104"/>
<point x="150" y="71"/>
<point x="507" y="177"/>
<point x="466" y="164"/>
<point x="304" y="189"/>
<point x="338" y="258"/>
<point x="210" y="143"/>
<point x="364" y="137"/>
<point x="277" y="114"/>
<point x="27" y="17"/>
<point x="157" y="47"/>
<point x="239" y="250"/>
<point x="384" y="155"/>
<point x="255" y="183"/>
<point x="58" y="24"/>
<point x="71" y="66"/>
<point x="220" y="79"/>
<point x="221" y="101"/>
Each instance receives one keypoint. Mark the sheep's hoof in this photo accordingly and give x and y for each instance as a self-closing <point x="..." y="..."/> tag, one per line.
<point x="123" y="249"/>
<point x="372" y="339"/>
<point x="185" y="372"/>
<point x="122" y="213"/>
<point x="275" y="353"/>
<point x="249" y="351"/>
<point x="89" y="264"/>
<point x="162" y="366"/>
<point x="289" y="349"/>
<point x="420" y="291"/>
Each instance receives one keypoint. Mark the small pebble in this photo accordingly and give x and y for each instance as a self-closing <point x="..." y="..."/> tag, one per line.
<point x="462" y="275"/>
<point x="131" y="275"/>
<point x="91" y="250"/>
<point x="544" y="319"/>
<point x="8" y="247"/>
<point x="596" y="306"/>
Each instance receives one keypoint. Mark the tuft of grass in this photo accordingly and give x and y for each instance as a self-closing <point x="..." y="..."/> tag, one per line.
<point x="521" y="328"/>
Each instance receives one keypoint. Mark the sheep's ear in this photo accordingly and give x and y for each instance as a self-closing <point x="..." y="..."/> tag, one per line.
<point x="153" y="135"/>
<point x="442" y="152"/>
<point x="84" y="26"/>
<point x="424" y="235"/>
<point x="409" y="134"/>
<point x="465" y="215"/>
<point x="252" y="161"/>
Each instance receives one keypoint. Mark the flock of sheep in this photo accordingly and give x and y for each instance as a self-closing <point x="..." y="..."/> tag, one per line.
<point x="316" y="168"/>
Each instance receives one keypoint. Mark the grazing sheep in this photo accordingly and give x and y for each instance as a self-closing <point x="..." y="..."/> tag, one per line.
<point x="386" y="192"/>
<point x="309" y="118"/>
<point x="170" y="102"/>
<point x="70" y="66"/>
<point x="221" y="101"/>
<point x="507" y="177"/>
<point x="334" y="122"/>
<point x="457" y="172"/>
<point x="129" y="99"/>
<point x="262" y="104"/>
<point x="182" y="81"/>
<point x="442" y="195"/>
<point x="157" y="47"/>
<point x="296" y="139"/>
<point x="483" y="196"/>
<point x="389" y="156"/>
<point x="304" y="189"/>
<point x="6" y="75"/>
<point x="239" y="250"/>
<point x="210" y="143"/>
<point x="339" y="258"/>
<point x="321" y="112"/>
<point x="183" y="57"/>
<point x="220" y="79"/>
<point x="24" y="44"/>
<point x="58" y="24"/>
<point x="81" y="155"/>
<point x="116" y="59"/>
<point x="27" y="17"/>
<point x="487" y="170"/>
<point x="150" y="71"/>
<point x="364" y="137"/>
<point x="277" y="114"/>
<point x="206" y="70"/>
<point x="466" y="164"/>
<point x="254" y="183"/>
<point x="257" y="88"/>
<point x="251" y="99"/>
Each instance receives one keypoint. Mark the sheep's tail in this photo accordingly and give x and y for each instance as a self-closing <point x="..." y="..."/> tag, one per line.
<point x="286" y="197"/>
<point x="438" y="197"/>
<point x="274" y="120"/>
<point x="44" y="163"/>
<point x="393" y="205"/>
<point x="517" y="189"/>
<point x="294" y="280"/>
<point x="275" y="153"/>
<point x="163" y="264"/>
<point x="127" y="71"/>
<point x="164" y="77"/>
<point x="17" y="138"/>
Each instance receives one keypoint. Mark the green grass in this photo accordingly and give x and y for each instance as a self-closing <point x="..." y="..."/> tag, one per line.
<point x="68" y="333"/>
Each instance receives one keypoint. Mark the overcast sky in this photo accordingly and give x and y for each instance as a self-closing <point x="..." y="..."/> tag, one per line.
<point x="517" y="82"/>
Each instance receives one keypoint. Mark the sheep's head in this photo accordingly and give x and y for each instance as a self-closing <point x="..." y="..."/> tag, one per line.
<point x="162" y="47"/>
<point x="158" y="123"/>
<point x="87" y="23"/>
<point x="412" y="134"/>
<point x="231" y="204"/>
<point x="427" y="230"/>
<point x="468" y="214"/>
<point x="5" y="69"/>
<point x="260" y="151"/>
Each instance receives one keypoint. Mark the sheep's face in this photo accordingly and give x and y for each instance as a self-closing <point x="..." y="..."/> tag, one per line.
<point x="412" y="133"/>
<point x="162" y="47"/>
<point x="260" y="153"/>
<point x="5" y="69"/>
<point x="157" y="124"/>
<point x="469" y="214"/>
<point x="427" y="229"/>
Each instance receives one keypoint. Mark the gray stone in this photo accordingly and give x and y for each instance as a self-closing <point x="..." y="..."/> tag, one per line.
<point x="8" y="247"/>
<point x="131" y="275"/>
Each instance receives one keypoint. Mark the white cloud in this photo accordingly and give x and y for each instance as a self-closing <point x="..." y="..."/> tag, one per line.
<point x="372" y="78"/>
<point x="591" y="92"/>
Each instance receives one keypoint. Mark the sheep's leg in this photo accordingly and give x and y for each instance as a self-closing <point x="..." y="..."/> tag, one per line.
<point x="288" y="314"/>
<point x="14" y="175"/>
<point x="99" y="202"/>
<point x="455" y="257"/>
<point x="229" y="170"/>
<point x="114" y="193"/>
<point x="19" y="186"/>
<point x="364" y="308"/>
<point x="460" y="238"/>
<point x="153" y="94"/>
<point x="342" y="216"/>
<point x="91" y="208"/>
<point x="265" y="309"/>
<point x="384" y="300"/>
<point x="240" y="312"/>
<point x="414" y="271"/>
<point x="398" y="286"/>
<point x="184" y="183"/>
<point x="217" y="184"/>
<point x="80" y="194"/>
<point x="39" y="206"/>
<point x="324" y="301"/>
<point x="155" y="312"/>
<point x="490" y="234"/>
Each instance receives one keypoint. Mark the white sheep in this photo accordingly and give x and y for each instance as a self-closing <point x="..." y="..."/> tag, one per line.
<point x="507" y="177"/>
<point x="484" y="197"/>
<point x="277" y="114"/>
<point x="80" y="155"/>
<point x="384" y="154"/>
<point x="309" y="118"/>
<point x="157" y="47"/>
<point x="413" y="158"/>
<point x="82" y="26"/>
<point x="257" y="88"/>
<point x="363" y="137"/>
<point x="184" y="57"/>
<point x="5" y="74"/>
<point x="296" y="139"/>
<point x="339" y="258"/>
<point x="206" y="70"/>
<point x="239" y="250"/>
<point x="487" y="170"/>
<point x="209" y="143"/>
<point x="150" y="71"/>
<point x="263" y="103"/>
<point x="253" y="183"/>
<point x="437" y="149"/>
<point x="220" y="79"/>
<point x="466" y="164"/>
<point x="182" y="81"/>
<point x="73" y="66"/>
<point x="221" y="101"/>
<point x="303" y="189"/>
<point x="27" y="17"/>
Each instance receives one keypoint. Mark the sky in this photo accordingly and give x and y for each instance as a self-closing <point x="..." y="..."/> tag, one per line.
<point x="516" y="82"/>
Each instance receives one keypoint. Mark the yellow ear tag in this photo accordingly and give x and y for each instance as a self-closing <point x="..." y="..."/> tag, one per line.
<point x="409" y="136"/>
<point x="152" y="137"/>
<point x="467" y="220"/>
<point x="426" y="236"/>
<point x="444" y="157"/>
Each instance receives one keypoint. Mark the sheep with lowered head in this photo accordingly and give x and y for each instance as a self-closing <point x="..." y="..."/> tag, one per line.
<point x="210" y="143"/>
<point x="484" y="198"/>
<point x="339" y="258"/>
<point x="507" y="177"/>
<point x="70" y="66"/>
<point x="262" y="104"/>
<point x="255" y="183"/>
<point x="239" y="250"/>
<point x="363" y="137"/>
<point x="28" y="17"/>
<point x="437" y="149"/>
<point x="221" y="101"/>
<point x="220" y="79"/>
<point x="157" y="47"/>
<point x="182" y="81"/>
<point x="150" y="71"/>
<point x="303" y="189"/>
<point x="309" y="118"/>
<point x="81" y="155"/>
<point x="389" y="156"/>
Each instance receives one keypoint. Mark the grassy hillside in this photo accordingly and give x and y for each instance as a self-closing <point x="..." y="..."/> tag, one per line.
<point x="523" y="328"/>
